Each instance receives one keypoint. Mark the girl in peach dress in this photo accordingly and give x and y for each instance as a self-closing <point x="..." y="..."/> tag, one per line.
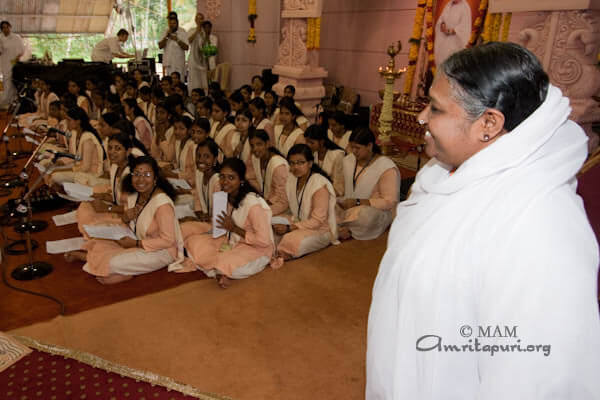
<point x="337" y="131"/>
<point x="267" y="171"/>
<point x="87" y="145"/>
<point x="258" y="108"/>
<point x="222" y="131"/>
<point x="248" y="246"/>
<point x="206" y="184"/>
<point x="243" y="125"/>
<point x="311" y="214"/>
<point x="143" y="129"/>
<point x="83" y="100"/>
<point x="328" y="155"/>
<point x="108" y="206"/>
<point x="150" y="213"/>
<point x="161" y="148"/>
<point x="372" y="189"/>
<point x="288" y="133"/>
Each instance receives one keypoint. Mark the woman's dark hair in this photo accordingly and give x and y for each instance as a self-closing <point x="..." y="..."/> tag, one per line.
<point x="199" y="91"/>
<point x="214" y="149"/>
<point x="137" y="111"/>
<point x="499" y="75"/>
<point x="324" y="116"/>
<point x="161" y="182"/>
<point x="82" y="92"/>
<point x="288" y="102"/>
<point x="173" y="101"/>
<point x="247" y="87"/>
<point x="339" y="117"/>
<point x="292" y="89"/>
<point x="237" y="97"/>
<point x="363" y="135"/>
<point x="79" y="114"/>
<point x="264" y="136"/>
<point x="69" y="100"/>
<point x="126" y="142"/>
<point x="259" y="103"/>
<point x="223" y="104"/>
<point x="259" y="78"/>
<point x="111" y="118"/>
<point x="305" y="151"/>
<point x="158" y="93"/>
<point x="128" y="128"/>
<point x="183" y="119"/>
<point x="165" y="106"/>
<point x="238" y="166"/>
<point x="317" y="132"/>
<point x="145" y="90"/>
<point x="203" y="123"/>
<point x="246" y="113"/>
<point x="206" y="102"/>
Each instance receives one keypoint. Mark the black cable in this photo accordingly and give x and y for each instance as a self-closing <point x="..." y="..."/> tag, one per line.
<point x="5" y="280"/>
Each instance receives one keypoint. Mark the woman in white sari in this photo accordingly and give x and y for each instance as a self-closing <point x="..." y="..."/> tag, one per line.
<point x="493" y="236"/>
<point x="372" y="189"/>
<point x="150" y="213"/>
<point x="311" y="223"/>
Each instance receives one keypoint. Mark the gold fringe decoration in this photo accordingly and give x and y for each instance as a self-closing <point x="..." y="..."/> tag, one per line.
<point x="496" y="27"/>
<point x="415" y="42"/>
<point x="317" y="38"/>
<point x="506" y="26"/>
<point x="122" y="370"/>
<point x="313" y="33"/>
<point x="251" y="18"/>
<point x="429" y="35"/>
<point x="487" y="27"/>
<point x="477" y="25"/>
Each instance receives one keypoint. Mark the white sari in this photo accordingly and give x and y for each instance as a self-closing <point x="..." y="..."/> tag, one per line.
<point x="264" y="182"/>
<point x="286" y="144"/>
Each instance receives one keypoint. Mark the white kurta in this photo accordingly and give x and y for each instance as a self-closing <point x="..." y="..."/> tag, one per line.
<point x="197" y="62"/>
<point x="504" y="241"/>
<point x="10" y="47"/>
<point x="457" y="17"/>
<point x="104" y="49"/>
<point x="173" y="54"/>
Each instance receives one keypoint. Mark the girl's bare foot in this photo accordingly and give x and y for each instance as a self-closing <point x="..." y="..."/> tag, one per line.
<point x="77" y="255"/>
<point x="223" y="281"/>
<point x="344" y="233"/>
<point x="113" y="278"/>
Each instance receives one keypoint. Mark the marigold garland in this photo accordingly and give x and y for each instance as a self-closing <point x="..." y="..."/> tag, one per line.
<point x="415" y="41"/>
<point x="506" y="26"/>
<point x="251" y="18"/>
<point x="477" y="25"/>
<point x="487" y="27"/>
<point x="496" y="27"/>
<point x="317" y="38"/>
<point x="313" y="33"/>
<point x="429" y="34"/>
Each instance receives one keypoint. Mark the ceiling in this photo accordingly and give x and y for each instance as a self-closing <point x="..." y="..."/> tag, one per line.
<point x="57" y="16"/>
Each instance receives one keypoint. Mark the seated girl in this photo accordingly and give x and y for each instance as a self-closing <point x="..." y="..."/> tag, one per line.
<point x="272" y="109"/>
<point x="163" y="131"/>
<point x="222" y="131"/>
<point x="288" y="133"/>
<point x="150" y="213"/>
<point x="206" y="184"/>
<point x="143" y="129"/>
<point x="43" y="98"/>
<point x="311" y="215"/>
<point x="372" y="189"/>
<point x="88" y="147"/>
<point x="337" y="131"/>
<point x="83" y="101"/>
<point x="267" y="171"/>
<point x="243" y="125"/>
<point x="248" y="246"/>
<point x="259" y="113"/>
<point x="328" y="155"/>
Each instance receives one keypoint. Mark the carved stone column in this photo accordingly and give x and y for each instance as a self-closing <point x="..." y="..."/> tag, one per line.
<point x="296" y="65"/>
<point x="567" y="43"/>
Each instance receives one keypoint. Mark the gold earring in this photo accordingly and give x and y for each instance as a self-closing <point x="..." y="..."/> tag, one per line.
<point x="486" y="138"/>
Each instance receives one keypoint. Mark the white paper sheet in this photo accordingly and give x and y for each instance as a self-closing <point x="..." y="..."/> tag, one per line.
<point x="75" y="199"/>
<point x="280" y="220"/>
<point x="78" y="190"/>
<point x="179" y="183"/>
<point x="65" y="219"/>
<point x="184" y="210"/>
<point x="219" y="207"/>
<point x="112" y="232"/>
<point x="62" y="246"/>
<point x="39" y="167"/>
<point x="31" y="140"/>
<point x="27" y="130"/>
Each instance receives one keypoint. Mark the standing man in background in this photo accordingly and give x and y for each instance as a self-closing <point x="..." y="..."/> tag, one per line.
<point x="174" y="43"/>
<point x="11" y="49"/>
<point x="109" y="48"/>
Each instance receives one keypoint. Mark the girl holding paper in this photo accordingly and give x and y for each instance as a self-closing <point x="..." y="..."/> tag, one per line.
<point x="150" y="213"/>
<point x="206" y="183"/>
<point x="248" y="246"/>
<point x="372" y="189"/>
<point x="268" y="171"/>
<point x="222" y="131"/>
<point x="311" y="199"/>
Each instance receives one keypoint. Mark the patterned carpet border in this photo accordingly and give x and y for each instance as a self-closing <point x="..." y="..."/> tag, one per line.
<point x="122" y="370"/>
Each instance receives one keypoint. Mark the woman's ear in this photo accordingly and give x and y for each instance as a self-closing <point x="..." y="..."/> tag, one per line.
<point x="492" y="124"/>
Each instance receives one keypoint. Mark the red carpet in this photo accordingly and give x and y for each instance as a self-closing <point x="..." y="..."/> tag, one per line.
<point x="51" y="372"/>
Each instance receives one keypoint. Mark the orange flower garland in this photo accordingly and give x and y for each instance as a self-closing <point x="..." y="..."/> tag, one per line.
<point x="477" y="25"/>
<point x="415" y="42"/>
<point x="429" y="34"/>
<point x="506" y="26"/>
<point x="251" y="18"/>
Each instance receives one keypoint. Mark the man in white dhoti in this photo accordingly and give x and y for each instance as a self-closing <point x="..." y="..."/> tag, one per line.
<point x="11" y="49"/>
<point x="109" y="48"/>
<point x="487" y="289"/>
<point x="452" y="29"/>
<point x="175" y="43"/>
<point x="197" y="62"/>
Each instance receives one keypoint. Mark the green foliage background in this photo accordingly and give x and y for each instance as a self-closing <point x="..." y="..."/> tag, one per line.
<point x="149" y="18"/>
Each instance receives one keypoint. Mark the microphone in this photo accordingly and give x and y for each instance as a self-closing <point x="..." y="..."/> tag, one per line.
<point x="58" y="154"/>
<point x="65" y="134"/>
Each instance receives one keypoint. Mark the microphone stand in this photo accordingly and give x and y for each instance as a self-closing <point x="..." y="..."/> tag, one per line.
<point x="32" y="269"/>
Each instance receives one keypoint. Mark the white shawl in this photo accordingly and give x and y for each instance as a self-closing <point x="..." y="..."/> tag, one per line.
<point x="147" y="216"/>
<point x="183" y="155"/>
<point x="264" y="182"/>
<point x="285" y="146"/>
<point x="116" y="186"/>
<point x="205" y="192"/>
<point x="240" y="214"/>
<point x="328" y="163"/>
<point x="314" y="183"/>
<point x="503" y="241"/>
<point x="343" y="141"/>
<point x="85" y="136"/>
<point x="368" y="178"/>
<point x="220" y="136"/>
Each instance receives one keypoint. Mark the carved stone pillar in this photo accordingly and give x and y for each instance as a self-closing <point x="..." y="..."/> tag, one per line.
<point x="567" y="43"/>
<point x="296" y="65"/>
